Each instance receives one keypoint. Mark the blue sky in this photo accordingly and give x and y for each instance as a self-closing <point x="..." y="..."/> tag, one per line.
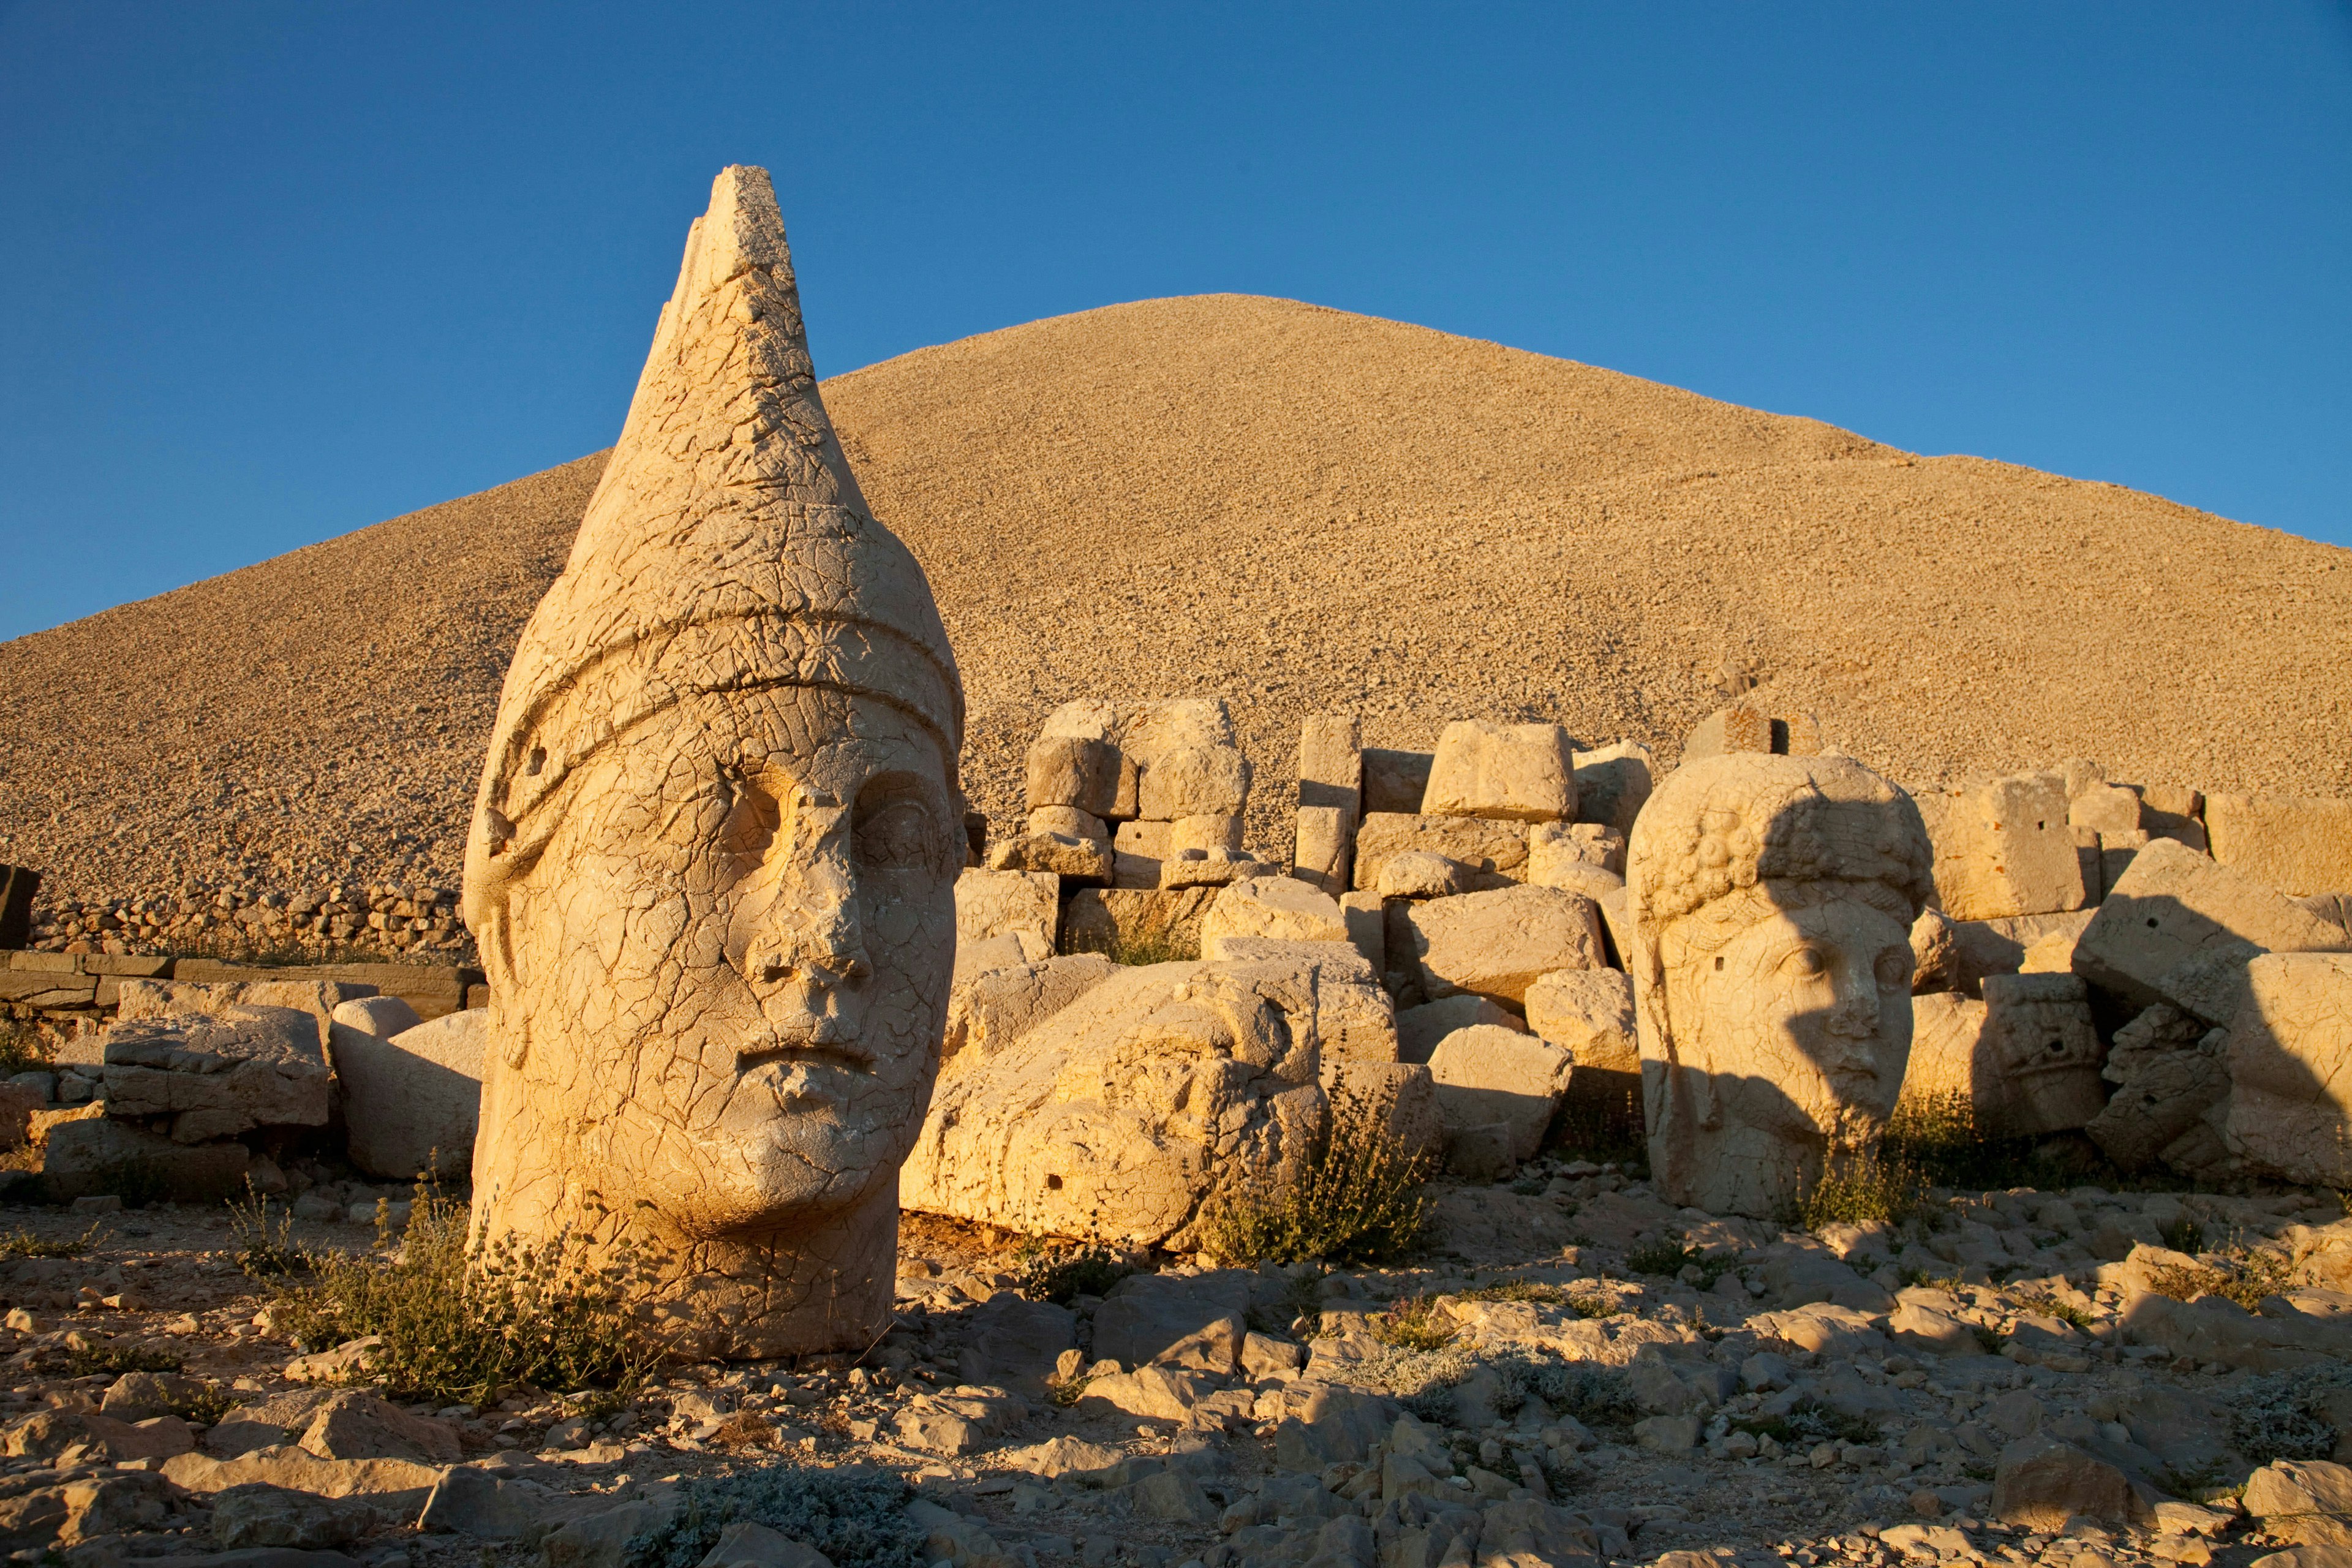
<point x="271" y="272"/>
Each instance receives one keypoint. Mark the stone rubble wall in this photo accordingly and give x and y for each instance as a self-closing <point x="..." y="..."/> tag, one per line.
<point x="393" y="919"/>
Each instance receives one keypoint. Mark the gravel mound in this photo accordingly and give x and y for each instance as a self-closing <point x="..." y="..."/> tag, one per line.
<point x="1291" y="507"/>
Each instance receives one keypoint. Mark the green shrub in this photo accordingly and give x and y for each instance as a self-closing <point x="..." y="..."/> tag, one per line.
<point x="2183" y="1234"/>
<point x="1151" y="944"/>
<point x="460" y="1324"/>
<point x="1059" y="1273"/>
<point x="856" y="1517"/>
<point x="265" y="1247"/>
<point x="1668" y="1255"/>
<point x="1415" y="1324"/>
<point x="1809" y="1422"/>
<point x="1937" y="1136"/>
<point x="2282" y="1414"/>
<point x="137" y="1181"/>
<point x="25" y="1243"/>
<point x="1519" y="1290"/>
<point x="1356" y="1200"/>
<point x="114" y="1360"/>
<point x="2243" y="1277"/>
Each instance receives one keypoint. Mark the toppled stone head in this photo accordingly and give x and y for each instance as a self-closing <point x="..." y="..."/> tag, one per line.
<point x="712" y="864"/>
<point x="1773" y="899"/>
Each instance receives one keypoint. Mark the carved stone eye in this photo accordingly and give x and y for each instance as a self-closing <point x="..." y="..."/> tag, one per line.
<point x="895" y="832"/>
<point x="1808" y="962"/>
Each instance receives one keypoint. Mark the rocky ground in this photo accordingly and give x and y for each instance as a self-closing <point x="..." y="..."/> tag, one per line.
<point x="1576" y="1371"/>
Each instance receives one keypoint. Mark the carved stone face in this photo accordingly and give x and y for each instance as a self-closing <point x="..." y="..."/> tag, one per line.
<point x="735" y="949"/>
<point x="1801" y="1021"/>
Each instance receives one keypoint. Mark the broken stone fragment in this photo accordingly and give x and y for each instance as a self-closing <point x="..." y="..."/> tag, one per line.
<point x="1496" y="944"/>
<point x="2004" y="847"/>
<point x="1514" y="773"/>
<point x="219" y="1074"/>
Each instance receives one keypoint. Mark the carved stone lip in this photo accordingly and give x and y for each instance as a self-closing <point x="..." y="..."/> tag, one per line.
<point x="846" y="1055"/>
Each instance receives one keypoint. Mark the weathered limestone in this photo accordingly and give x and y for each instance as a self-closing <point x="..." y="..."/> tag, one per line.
<point x="1330" y="800"/>
<point x="2174" y="907"/>
<point x="1418" y="874"/>
<point x="713" y="861"/>
<point x="82" y="1158"/>
<point x="1419" y="1028"/>
<point x="1080" y="771"/>
<point x="1772" y="901"/>
<point x="2169" y="1069"/>
<point x="1751" y="727"/>
<point x="219" y="1074"/>
<point x="2293" y="845"/>
<point x="995" y="1008"/>
<point x="2290" y="1061"/>
<point x="1611" y="784"/>
<point x="412" y="1098"/>
<point x="2004" y="847"/>
<point x="1555" y="846"/>
<point x="1514" y="772"/>
<point x="2105" y="809"/>
<point x="2025" y="1058"/>
<point x="1153" y="1090"/>
<point x="1500" y="1080"/>
<point x="1022" y="904"/>
<point x="1982" y="948"/>
<point x="1589" y="1013"/>
<point x="1498" y="850"/>
<point x="1281" y="909"/>
<point x="1496" y="944"/>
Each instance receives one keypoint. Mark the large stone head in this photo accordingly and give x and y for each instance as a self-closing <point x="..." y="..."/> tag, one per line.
<point x="1773" y="899"/>
<point x="712" y="864"/>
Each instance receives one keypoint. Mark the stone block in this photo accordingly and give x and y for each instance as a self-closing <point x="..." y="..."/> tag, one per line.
<point x="1367" y="921"/>
<point x="1064" y="855"/>
<point x="1418" y="874"/>
<point x="2290" y="1061"/>
<point x="1067" y="820"/>
<point x="2086" y="860"/>
<point x="1282" y="909"/>
<point x="219" y="1074"/>
<point x="1739" y="728"/>
<point x="2041" y="1483"/>
<point x="2105" y="809"/>
<point x="2115" y="854"/>
<point x="1419" y="1028"/>
<point x="1516" y="772"/>
<point x="1497" y="850"/>
<point x="1120" y="919"/>
<point x="1212" y="832"/>
<point x="1194" y="1324"/>
<point x="997" y="1007"/>
<point x="2026" y="1059"/>
<point x="1331" y="763"/>
<point x="432" y="989"/>
<point x="1498" y="943"/>
<point x="2293" y="845"/>
<point x="1487" y="1076"/>
<point x="1324" y="847"/>
<point x="412" y="1100"/>
<point x="2004" y="847"/>
<point x="1611" y="784"/>
<point x="1589" y="1013"/>
<point x="1395" y="782"/>
<point x="992" y="903"/>
<point x="1552" y="847"/>
<point x="48" y="990"/>
<point x="96" y="1155"/>
<point x="1980" y="948"/>
<point x="1193" y="781"/>
<point x="1137" y="848"/>
<point x="1076" y="771"/>
<point x="2175" y="905"/>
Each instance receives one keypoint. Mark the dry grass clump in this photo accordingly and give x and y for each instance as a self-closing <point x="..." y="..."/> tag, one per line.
<point x="1416" y="1323"/>
<point x="460" y="1323"/>
<point x="2244" y="1276"/>
<point x="1355" y="1200"/>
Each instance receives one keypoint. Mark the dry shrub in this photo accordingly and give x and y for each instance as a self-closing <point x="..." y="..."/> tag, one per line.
<point x="2243" y="1277"/>
<point x="460" y="1323"/>
<point x="1356" y="1200"/>
<point x="1416" y="1323"/>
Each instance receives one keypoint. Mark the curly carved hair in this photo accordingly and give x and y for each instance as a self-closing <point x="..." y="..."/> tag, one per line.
<point x="1722" y="826"/>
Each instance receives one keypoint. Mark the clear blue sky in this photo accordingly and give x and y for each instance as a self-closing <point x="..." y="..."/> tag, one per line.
<point x="269" y="272"/>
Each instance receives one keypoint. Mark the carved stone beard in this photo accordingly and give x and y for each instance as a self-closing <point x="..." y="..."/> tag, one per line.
<point x="717" y="1002"/>
<point x="1785" y="1016"/>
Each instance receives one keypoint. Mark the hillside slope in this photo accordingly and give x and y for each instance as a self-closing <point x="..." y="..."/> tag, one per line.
<point x="1293" y="507"/>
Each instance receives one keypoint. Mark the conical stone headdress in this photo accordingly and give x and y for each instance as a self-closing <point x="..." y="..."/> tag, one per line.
<point x="727" y="549"/>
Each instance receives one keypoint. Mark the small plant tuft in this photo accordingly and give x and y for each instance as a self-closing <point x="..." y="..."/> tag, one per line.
<point x="1059" y="1273"/>
<point x="2284" y="1414"/>
<point x="1150" y="945"/>
<point x="460" y="1323"/>
<point x="1416" y="1323"/>
<point x="25" y="1046"/>
<point x="265" y="1247"/>
<point x="856" y="1517"/>
<point x="1356" y="1200"/>
<point x="25" y="1243"/>
<point x="1808" y="1422"/>
<point x="2244" y="1276"/>
<point x="114" y="1360"/>
<point x="2183" y="1234"/>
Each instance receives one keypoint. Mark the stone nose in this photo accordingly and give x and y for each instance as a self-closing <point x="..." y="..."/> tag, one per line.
<point x="810" y="930"/>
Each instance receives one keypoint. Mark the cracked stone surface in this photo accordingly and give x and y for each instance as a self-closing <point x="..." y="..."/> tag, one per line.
<point x="1774" y="898"/>
<point x="712" y="864"/>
